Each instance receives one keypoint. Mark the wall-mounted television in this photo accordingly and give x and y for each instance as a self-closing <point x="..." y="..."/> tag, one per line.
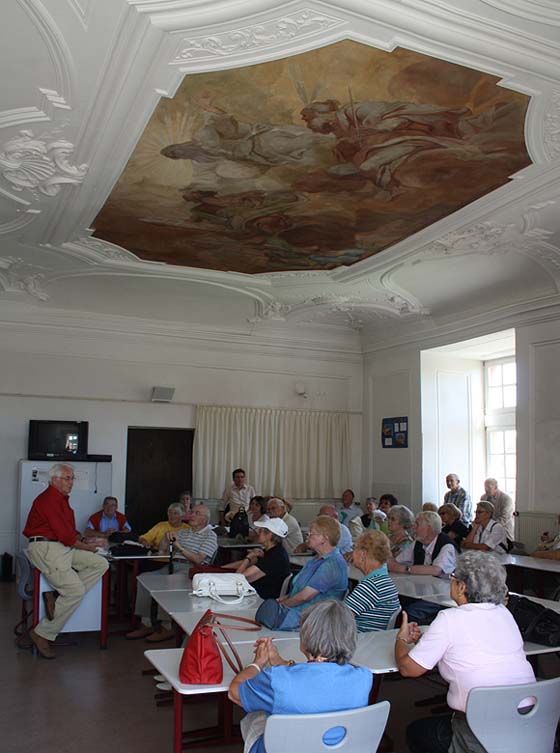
<point x="57" y="440"/>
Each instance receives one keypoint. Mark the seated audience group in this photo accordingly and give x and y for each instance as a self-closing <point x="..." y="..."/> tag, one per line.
<point x="475" y="644"/>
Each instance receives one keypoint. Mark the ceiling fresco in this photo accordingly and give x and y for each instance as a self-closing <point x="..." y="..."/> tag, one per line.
<point x="312" y="162"/>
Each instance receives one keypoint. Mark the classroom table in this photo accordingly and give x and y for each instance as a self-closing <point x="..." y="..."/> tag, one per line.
<point x="375" y="651"/>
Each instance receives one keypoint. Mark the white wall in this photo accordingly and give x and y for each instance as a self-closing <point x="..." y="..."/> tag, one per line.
<point x="392" y="388"/>
<point x="538" y="417"/>
<point x="452" y="424"/>
<point x="106" y="379"/>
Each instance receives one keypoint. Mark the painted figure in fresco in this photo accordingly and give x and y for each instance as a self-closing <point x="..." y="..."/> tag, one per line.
<point x="376" y="138"/>
<point x="223" y="137"/>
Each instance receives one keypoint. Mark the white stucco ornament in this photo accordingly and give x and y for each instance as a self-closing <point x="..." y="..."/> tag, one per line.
<point x="38" y="165"/>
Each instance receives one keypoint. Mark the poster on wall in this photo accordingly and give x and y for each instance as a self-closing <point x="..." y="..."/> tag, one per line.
<point x="394" y="432"/>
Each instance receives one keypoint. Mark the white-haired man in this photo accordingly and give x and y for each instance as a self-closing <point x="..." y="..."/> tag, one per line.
<point x="58" y="550"/>
<point x="198" y="545"/>
<point x="503" y="505"/>
<point x="458" y="496"/>
<point x="277" y="508"/>
<point x="434" y="553"/>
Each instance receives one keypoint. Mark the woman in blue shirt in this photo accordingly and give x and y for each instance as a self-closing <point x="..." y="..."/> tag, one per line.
<point x="327" y="682"/>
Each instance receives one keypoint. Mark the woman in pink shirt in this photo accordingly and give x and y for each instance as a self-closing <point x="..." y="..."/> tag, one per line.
<point x="477" y="644"/>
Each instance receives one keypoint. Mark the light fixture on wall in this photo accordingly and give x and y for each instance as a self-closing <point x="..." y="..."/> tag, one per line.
<point x="300" y="390"/>
<point x="162" y="394"/>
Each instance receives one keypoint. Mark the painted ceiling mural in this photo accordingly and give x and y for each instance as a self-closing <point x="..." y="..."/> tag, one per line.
<point x="313" y="161"/>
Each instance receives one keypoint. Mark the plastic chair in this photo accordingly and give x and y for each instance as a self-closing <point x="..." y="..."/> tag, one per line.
<point x="304" y="733"/>
<point x="25" y="591"/>
<point x="393" y="620"/>
<point x="286" y="584"/>
<point x="493" y="716"/>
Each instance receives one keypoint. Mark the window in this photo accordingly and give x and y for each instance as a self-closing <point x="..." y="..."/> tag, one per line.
<point x="501" y="399"/>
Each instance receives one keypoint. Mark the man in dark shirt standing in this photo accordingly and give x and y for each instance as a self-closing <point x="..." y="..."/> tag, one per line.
<point x="58" y="550"/>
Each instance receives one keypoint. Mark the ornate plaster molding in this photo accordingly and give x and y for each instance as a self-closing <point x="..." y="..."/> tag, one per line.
<point x="551" y="127"/>
<point x="485" y="238"/>
<point x="18" y="276"/>
<point x="299" y="25"/>
<point x="273" y="311"/>
<point x="38" y="165"/>
<point x="542" y="11"/>
<point x="83" y="10"/>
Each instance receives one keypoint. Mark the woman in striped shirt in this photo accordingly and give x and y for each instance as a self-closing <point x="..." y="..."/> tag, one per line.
<point x="375" y="598"/>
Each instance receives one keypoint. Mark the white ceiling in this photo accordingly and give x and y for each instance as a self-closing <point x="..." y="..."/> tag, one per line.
<point x="84" y="77"/>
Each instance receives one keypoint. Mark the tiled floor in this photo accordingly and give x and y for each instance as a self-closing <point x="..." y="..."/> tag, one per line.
<point x="92" y="701"/>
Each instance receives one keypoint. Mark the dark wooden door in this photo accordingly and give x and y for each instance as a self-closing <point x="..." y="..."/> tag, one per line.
<point x="158" y="469"/>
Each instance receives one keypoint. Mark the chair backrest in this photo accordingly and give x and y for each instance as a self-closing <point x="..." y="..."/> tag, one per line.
<point x="393" y="620"/>
<point x="286" y="584"/>
<point x="493" y="716"/>
<point x="305" y="733"/>
<point x="25" y="580"/>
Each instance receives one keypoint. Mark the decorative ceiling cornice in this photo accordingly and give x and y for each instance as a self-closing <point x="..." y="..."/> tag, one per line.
<point x="18" y="276"/>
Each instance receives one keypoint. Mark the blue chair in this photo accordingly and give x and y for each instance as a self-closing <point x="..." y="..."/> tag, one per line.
<point x="353" y="731"/>
<point x="501" y="726"/>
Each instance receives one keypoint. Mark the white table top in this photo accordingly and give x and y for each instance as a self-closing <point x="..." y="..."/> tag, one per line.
<point x="533" y="563"/>
<point x="183" y="602"/>
<point x="188" y="620"/>
<point x="420" y="586"/>
<point x="167" y="661"/>
<point x="160" y="580"/>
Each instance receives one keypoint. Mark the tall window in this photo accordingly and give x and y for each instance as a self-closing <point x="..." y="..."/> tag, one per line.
<point x="501" y="399"/>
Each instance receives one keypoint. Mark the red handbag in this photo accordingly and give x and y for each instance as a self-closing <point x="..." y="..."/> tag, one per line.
<point x="201" y="663"/>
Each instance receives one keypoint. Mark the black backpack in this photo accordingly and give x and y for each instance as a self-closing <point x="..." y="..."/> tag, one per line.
<point x="239" y="525"/>
<point x="535" y="622"/>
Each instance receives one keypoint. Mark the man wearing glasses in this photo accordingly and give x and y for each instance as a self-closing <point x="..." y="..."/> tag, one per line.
<point x="58" y="550"/>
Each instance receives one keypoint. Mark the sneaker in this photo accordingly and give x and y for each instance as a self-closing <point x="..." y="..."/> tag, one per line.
<point x="140" y="632"/>
<point x="160" y="635"/>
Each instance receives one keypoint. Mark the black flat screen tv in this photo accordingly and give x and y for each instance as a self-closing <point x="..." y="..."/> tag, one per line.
<point x="57" y="440"/>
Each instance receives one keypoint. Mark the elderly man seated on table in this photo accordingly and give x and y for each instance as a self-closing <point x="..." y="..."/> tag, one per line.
<point x="345" y="544"/>
<point x="277" y="508"/>
<point x="324" y="576"/>
<point x="197" y="544"/>
<point x="486" y="534"/>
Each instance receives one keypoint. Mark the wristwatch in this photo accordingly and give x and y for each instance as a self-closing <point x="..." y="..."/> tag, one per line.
<point x="407" y="569"/>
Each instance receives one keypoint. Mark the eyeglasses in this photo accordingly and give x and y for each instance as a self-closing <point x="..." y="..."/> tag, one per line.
<point x="67" y="478"/>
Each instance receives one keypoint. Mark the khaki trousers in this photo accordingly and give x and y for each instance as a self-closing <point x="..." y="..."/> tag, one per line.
<point x="71" y="572"/>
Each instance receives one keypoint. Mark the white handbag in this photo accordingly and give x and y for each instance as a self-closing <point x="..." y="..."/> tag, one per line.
<point x="216" y="585"/>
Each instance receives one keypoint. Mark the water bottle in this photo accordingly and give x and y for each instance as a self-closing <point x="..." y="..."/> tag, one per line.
<point x="171" y="557"/>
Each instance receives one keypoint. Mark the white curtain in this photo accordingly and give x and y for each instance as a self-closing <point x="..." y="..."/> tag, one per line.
<point x="302" y="454"/>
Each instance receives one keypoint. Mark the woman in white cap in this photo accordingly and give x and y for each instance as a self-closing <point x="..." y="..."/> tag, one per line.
<point x="266" y="568"/>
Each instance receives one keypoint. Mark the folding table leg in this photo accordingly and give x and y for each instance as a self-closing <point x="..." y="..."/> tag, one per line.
<point x="178" y="735"/>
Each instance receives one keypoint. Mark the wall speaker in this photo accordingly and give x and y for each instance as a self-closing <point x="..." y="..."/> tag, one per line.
<point x="162" y="394"/>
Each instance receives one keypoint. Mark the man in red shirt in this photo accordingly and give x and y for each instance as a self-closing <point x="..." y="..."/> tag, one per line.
<point x="57" y="549"/>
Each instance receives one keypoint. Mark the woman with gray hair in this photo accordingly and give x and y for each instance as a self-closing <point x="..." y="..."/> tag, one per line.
<point x="401" y="536"/>
<point x="327" y="682"/>
<point x="477" y="644"/>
